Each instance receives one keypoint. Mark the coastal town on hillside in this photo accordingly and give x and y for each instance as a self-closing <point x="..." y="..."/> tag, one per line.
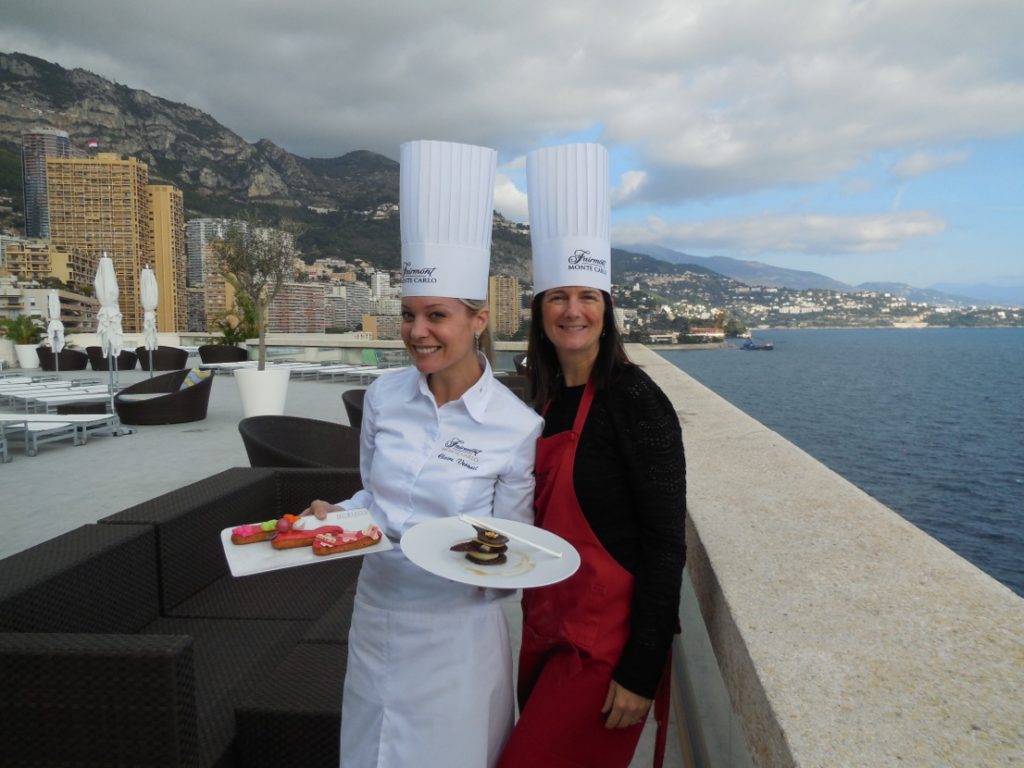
<point x="145" y="224"/>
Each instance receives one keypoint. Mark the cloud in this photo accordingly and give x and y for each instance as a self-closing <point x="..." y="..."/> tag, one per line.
<point x="508" y="200"/>
<point x="921" y="163"/>
<point x="809" y="234"/>
<point x="713" y="99"/>
<point x="631" y="183"/>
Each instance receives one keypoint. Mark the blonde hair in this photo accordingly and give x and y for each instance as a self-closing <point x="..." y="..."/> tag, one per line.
<point x="485" y="343"/>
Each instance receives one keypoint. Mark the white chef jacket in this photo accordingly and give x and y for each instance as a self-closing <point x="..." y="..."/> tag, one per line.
<point x="429" y="679"/>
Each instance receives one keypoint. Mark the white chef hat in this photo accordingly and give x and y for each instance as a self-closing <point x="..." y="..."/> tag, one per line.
<point x="567" y="189"/>
<point x="446" y="199"/>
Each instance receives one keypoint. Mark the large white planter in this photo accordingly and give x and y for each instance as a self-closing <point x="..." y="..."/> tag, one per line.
<point x="27" y="357"/>
<point x="263" y="392"/>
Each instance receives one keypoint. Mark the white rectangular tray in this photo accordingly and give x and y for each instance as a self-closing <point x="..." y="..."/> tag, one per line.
<point x="247" y="559"/>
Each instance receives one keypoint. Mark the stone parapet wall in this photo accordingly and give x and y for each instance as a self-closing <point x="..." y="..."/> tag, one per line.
<point x="845" y="635"/>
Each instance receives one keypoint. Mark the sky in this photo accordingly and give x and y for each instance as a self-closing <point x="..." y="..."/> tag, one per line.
<point x="867" y="140"/>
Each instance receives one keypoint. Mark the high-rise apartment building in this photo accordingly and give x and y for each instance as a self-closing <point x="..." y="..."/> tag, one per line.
<point x="36" y="146"/>
<point x="100" y="205"/>
<point x="36" y="258"/>
<point x="199" y="235"/>
<point x="298" y="308"/>
<point x="503" y="302"/>
<point x="167" y="222"/>
<point x="219" y="298"/>
<point x="380" y="285"/>
<point x="382" y="327"/>
<point x="357" y="297"/>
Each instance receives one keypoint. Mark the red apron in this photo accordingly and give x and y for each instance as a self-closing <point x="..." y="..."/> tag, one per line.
<point x="573" y="634"/>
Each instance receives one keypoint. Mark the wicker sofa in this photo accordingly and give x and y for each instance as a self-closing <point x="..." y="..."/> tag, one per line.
<point x="68" y="359"/>
<point x="222" y="353"/>
<point x="128" y="642"/>
<point x="126" y="361"/>
<point x="162" y="358"/>
<point x="161" y="400"/>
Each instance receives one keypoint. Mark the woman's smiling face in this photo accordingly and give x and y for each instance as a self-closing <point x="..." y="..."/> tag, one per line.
<point x="573" y="319"/>
<point x="439" y="333"/>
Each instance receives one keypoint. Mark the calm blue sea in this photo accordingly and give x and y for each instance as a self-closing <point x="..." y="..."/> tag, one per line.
<point x="930" y="422"/>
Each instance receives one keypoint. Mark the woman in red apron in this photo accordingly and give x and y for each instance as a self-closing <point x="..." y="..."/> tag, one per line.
<point x="578" y="635"/>
<point x="610" y="480"/>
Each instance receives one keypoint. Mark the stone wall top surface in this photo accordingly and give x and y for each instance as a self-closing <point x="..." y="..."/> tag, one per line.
<point x="846" y="635"/>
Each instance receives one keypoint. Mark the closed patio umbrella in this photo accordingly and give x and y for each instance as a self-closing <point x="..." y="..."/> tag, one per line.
<point x="108" y="319"/>
<point x="55" y="328"/>
<point x="149" y="295"/>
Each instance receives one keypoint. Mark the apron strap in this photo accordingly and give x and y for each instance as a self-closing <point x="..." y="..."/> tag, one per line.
<point x="584" y="409"/>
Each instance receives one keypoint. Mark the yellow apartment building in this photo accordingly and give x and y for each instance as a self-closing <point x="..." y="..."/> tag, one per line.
<point x="167" y="222"/>
<point x="34" y="259"/>
<point x="503" y="302"/>
<point x="100" y="205"/>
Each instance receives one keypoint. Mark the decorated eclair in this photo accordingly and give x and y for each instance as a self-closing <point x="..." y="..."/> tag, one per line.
<point x="329" y="543"/>
<point x="250" y="534"/>
<point x="299" y="532"/>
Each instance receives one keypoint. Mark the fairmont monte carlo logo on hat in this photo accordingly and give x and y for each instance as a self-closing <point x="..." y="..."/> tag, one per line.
<point x="446" y="205"/>
<point x="570" y="209"/>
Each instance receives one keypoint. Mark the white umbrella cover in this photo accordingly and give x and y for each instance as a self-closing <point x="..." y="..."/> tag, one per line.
<point x="55" y="328"/>
<point x="149" y="295"/>
<point x="108" y="319"/>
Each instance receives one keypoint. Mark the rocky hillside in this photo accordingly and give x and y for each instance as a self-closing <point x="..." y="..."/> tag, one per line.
<point x="181" y="144"/>
<point x="343" y="206"/>
<point x="219" y="172"/>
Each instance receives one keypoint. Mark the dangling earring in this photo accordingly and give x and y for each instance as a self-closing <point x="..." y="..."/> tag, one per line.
<point x="476" y="341"/>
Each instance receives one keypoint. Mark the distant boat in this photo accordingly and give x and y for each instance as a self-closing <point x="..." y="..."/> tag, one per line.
<point x="750" y="344"/>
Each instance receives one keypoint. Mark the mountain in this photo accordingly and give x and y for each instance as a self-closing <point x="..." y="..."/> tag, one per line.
<point x="748" y="272"/>
<point x="181" y="144"/>
<point x="219" y="173"/>
<point x="1008" y="295"/>
<point x="758" y="273"/>
<point x="918" y="295"/>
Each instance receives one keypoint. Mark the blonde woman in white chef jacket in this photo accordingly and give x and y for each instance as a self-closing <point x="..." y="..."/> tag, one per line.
<point x="429" y="680"/>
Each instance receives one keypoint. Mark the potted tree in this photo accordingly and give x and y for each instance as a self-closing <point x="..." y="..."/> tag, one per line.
<point x="257" y="261"/>
<point x="26" y="332"/>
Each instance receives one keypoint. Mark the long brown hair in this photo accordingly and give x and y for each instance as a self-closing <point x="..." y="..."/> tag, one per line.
<point x="542" y="360"/>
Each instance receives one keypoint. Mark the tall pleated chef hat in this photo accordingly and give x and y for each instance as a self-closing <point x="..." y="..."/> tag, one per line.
<point x="567" y="189"/>
<point x="446" y="198"/>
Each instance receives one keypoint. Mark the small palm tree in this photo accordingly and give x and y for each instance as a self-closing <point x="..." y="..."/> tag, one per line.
<point x="22" y="329"/>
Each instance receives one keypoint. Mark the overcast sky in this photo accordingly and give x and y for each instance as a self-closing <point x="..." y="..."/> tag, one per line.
<point x="865" y="140"/>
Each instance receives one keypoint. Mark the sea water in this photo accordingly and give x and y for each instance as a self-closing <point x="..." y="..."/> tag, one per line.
<point x="928" y="421"/>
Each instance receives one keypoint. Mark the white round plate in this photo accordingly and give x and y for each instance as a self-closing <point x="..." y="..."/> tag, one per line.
<point x="428" y="545"/>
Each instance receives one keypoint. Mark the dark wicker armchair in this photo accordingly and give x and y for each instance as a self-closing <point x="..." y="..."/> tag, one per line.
<point x="69" y="359"/>
<point x="352" y="399"/>
<point x="126" y="361"/>
<point x="223" y="353"/>
<point x="161" y="400"/>
<point x="293" y="441"/>
<point x="164" y="358"/>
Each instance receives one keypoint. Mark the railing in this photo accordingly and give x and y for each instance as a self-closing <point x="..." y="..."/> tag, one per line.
<point x="843" y="635"/>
